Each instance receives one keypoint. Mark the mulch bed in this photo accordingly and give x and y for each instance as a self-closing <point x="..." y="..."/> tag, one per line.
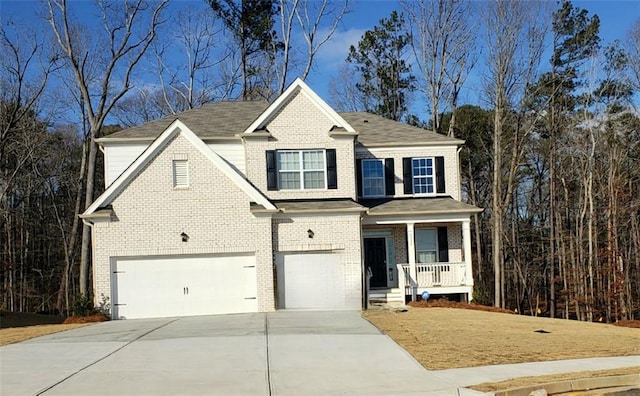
<point x="628" y="323"/>
<point x="442" y="303"/>
<point x="96" y="317"/>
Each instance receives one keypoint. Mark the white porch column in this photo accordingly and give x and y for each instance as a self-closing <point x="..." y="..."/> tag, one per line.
<point x="466" y="243"/>
<point x="411" y="252"/>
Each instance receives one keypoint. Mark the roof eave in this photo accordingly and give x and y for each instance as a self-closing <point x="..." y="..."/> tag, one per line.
<point x="425" y="212"/>
<point x="456" y="142"/>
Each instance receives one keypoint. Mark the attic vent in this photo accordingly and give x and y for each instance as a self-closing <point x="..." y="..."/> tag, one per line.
<point x="180" y="173"/>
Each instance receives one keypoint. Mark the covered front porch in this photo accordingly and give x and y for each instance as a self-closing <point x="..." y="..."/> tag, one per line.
<point x="415" y="245"/>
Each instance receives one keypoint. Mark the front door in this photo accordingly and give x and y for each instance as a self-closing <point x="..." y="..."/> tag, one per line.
<point x="375" y="257"/>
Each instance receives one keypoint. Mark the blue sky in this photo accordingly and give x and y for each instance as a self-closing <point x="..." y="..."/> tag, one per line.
<point x="616" y="18"/>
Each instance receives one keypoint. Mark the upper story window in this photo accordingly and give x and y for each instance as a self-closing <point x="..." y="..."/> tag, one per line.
<point x="180" y="173"/>
<point x="423" y="175"/>
<point x="373" y="178"/>
<point x="301" y="169"/>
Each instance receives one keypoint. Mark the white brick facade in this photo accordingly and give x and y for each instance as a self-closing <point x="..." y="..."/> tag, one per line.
<point x="452" y="180"/>
<point x="300" y="124"/>
<point x="150" y="215"/>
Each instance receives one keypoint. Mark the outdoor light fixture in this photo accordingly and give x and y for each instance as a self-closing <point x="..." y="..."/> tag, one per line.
<point x="310" y="233"/>
<point x="185" y="237"/>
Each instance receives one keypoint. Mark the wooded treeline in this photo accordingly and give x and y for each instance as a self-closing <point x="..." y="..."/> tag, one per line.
<point x="552" y="139"/>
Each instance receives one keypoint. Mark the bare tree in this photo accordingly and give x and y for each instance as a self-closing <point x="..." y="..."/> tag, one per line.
<point x="444" y="37"/>
<point x="633" y="49"/>
<point x="513" y="35"/>
<point x="309" y="18"/>
<point x="102" y="69"/>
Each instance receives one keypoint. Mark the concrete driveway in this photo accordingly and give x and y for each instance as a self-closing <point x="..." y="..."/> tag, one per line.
<point x="279" y="353"/>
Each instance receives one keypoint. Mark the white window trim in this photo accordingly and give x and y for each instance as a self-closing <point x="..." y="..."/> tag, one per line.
<point x="433" y="177"/>
<point x="384" y="187"/>
<point x="301" y="169"/>
<point x="178" y="184"/>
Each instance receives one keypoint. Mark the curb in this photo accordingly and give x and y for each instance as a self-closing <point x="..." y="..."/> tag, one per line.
<point x="578" y="385"/>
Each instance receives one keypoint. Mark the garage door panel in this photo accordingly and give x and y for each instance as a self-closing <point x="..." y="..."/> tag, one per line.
<point x="181" y="286"/>
<point x="311" y="281"/>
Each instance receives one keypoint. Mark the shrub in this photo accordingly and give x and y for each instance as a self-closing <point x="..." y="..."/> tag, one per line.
<point x="82" y="306"/>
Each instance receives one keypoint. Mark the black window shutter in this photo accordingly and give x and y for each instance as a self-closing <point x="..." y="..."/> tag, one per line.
<point x="443" y="245"/>
<point x="407" y="176"/>
<point x="272" y="171"/>
<point x="359" y="176"/>
<point x="440" y="175"/>
<point x="332" y="174"/>
<point x="389" y="177"/>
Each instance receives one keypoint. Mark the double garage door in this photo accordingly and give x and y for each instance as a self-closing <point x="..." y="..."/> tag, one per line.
<point x="312" y="281"/>
<point x="181" y="286"/>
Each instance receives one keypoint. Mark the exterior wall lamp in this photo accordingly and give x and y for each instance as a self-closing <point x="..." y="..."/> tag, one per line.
<point x="185" y="237"/>
<point x="310" y="233"/>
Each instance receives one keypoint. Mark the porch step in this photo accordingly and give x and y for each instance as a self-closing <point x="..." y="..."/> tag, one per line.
<point x="386" y="296"/>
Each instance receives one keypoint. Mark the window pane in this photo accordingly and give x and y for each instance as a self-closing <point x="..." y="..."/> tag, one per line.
<point x="288" y="160"/>
<point x="289" y="180"/>
<point x="422" y="175"/>
<point x="372" y="178"/>
<point x="372" y="168"/>
<point x="426" y="245"/>
<point x="314" y="179"/>
<point x="313" y="160"/>
<point x="426" y="239"/>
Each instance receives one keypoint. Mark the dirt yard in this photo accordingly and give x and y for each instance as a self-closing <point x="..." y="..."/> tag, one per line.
<point x="442" y="338"/>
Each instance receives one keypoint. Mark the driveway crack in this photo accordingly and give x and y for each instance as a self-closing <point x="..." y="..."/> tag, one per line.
<point x="266" y="335"/>
<point x="104" y="357"/>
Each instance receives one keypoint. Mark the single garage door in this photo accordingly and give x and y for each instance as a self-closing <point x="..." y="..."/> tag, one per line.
<point x="149" y="287"/>
<point x="310" y="281"/>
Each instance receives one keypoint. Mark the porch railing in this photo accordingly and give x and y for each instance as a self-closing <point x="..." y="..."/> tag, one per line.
<point x="432" y="274"/>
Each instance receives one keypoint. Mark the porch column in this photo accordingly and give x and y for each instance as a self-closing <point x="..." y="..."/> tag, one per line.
<point x="411" y="252"/>
<point x="466" y="243"/>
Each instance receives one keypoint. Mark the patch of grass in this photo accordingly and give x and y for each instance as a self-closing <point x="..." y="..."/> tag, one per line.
<point x="18" y="334"/>
<point x="443" y="338"/>
<point x="21" y="326"/>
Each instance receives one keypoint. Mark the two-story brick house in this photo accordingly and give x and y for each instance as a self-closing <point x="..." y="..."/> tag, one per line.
<point x="250" y="206"/>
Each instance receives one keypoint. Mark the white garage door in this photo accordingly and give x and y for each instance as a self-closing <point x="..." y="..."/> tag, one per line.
<point x="182" y="286"/>
<point x="310" y="281"/>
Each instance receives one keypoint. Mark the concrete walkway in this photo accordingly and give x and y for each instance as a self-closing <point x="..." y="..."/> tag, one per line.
<point x="281" y="353"/>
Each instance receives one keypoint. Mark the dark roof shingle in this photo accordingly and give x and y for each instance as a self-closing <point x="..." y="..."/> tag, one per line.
<point x="374" y="130"/>
<point x="212" y="120"/>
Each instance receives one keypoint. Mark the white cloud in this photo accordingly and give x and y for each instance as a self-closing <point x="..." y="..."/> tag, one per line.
<point x="334" y="52"/>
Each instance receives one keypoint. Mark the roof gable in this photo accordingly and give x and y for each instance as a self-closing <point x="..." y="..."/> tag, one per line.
<point x="298" y="86"/>
<point x="177" y="127"/>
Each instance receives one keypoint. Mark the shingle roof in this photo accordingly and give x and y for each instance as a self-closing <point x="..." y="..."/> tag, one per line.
<point x="415" y="206"/>
<point x="212" y="120"/>
<point x="228" y="119"/>
<point x="375" y="130"/>
<point x="318" y="205"/>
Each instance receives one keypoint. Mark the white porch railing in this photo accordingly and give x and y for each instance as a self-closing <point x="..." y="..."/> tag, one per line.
<point x="432" y="274"/>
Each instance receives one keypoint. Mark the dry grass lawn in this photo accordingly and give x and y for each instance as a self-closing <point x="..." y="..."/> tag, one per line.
<point x="20" y="326"/>
<point x="442" y="338"/>
<point x="17" y="334"/>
